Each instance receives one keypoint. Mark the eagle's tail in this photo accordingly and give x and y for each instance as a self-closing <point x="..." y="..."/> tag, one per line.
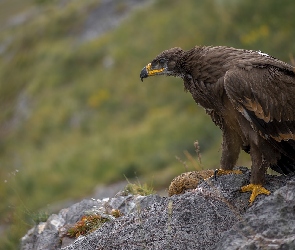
<point x="286" y="164"/>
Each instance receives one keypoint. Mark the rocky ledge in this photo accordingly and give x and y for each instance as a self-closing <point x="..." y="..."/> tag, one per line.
<point x="215" y="215"/>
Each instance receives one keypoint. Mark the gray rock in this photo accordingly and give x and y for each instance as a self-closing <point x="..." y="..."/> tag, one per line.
<point x="215" y="215"/>
<point x="189" y="221"/>
<point x="52" y="233"/>
<point x="46" y="235"/>
<point x="269" y="224"/>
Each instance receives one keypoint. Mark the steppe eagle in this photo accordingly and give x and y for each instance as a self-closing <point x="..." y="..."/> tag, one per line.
<point x="249" y="96"/>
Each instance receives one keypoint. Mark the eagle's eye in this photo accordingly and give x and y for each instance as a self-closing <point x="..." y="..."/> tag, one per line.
<point x="158" y="64"/>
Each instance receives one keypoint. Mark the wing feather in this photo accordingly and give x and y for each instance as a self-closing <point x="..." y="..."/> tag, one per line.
<point x="266" y="96"/>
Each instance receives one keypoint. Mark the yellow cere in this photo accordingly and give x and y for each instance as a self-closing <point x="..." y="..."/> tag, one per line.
<point x="153" y="72"/>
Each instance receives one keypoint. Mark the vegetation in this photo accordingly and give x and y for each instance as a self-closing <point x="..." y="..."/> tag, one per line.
<point x="75" y="114"/>
<point x="138" y="189"/>
<point x="89" y="223"/>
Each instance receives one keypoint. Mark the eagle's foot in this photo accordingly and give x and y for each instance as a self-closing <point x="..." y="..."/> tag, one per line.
<point x="218" y="172"/>
<point x="256" y="189"/>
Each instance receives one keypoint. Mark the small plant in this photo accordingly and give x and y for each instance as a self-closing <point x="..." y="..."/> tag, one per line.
<point x="197" y="164"/>
<point x="87" y="224"/>
<point x="138" y="188"/>
<point x="41" y="216"/>
<point x="90" y="223"/>
<point x="116" y="213"/>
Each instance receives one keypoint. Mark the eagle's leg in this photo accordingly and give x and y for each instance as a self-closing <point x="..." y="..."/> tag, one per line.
<point x="258" y="170"/>
<point x="231" y="146"/>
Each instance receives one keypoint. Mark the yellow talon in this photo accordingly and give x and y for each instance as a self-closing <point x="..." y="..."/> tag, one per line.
<point x="256" y="189"/>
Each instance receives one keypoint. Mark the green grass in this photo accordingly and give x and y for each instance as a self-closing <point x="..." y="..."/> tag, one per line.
<point x="86" y="121"/>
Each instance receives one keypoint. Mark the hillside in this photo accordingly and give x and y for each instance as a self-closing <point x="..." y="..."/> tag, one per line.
<point x="75" y="114"/>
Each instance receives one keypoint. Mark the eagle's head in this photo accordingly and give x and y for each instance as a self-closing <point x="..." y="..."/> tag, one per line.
<point x="165" y="63"/>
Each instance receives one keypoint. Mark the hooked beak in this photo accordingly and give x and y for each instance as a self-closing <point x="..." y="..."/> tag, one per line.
<point x="148" y="71"/>
<point x="143" y="74"/>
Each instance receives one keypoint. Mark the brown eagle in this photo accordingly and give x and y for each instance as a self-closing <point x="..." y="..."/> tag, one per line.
<point x="249" y="96"/>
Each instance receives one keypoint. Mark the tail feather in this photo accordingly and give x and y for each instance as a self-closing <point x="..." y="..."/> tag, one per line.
<point x="286" y="164"/>
<point x="284" y="167"/>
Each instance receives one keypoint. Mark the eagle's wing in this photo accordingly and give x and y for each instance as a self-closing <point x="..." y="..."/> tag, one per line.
<point x="266" y="97"/>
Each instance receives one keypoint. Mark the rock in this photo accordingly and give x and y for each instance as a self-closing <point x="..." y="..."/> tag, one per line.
<point x="46" y="235"/>
<point x="215" y="215"/>
<point x="189" y="221"/>
<point x="269" y="224"/>
<point x="52" y="233"/>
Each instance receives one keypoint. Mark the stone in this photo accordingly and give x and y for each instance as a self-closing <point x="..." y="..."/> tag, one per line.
<point x="214" y="215"/>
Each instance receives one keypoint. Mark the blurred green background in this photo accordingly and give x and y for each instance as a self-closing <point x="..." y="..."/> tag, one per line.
<point x="74" y="113"/>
